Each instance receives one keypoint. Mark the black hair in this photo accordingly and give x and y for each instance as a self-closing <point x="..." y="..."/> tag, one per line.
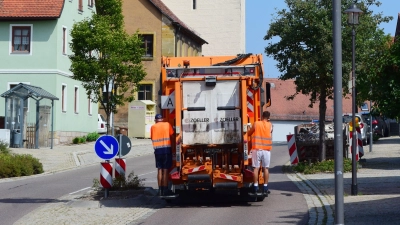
<point x="266" y="115"/>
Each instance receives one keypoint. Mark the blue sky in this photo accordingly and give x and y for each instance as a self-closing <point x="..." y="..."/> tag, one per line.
<point x="258" y="18"/>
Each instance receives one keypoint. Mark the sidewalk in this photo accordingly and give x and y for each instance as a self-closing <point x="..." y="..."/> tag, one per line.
<point x="377" y="201"/>
<point x="378" y="182"/>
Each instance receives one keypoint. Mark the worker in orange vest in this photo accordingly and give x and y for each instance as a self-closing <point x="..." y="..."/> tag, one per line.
<point x="261" y="147"/>
<point x="160" y="134"/>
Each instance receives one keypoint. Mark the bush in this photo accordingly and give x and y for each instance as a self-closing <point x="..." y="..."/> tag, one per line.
<point x="4" y="147"/>
<point x="13" y="165"/>
<point x="122" y="183"/>
<point x="75" y="140"/>
<point x="327" y="166"/>
<point x="82" y="140"/>
<point x="92" y="136"/>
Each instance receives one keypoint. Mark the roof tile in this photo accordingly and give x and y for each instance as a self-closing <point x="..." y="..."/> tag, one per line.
<point x="30" y="8"/>
<point x="297" y="109"/>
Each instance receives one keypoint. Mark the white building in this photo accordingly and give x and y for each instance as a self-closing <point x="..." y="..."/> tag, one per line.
<point x="221" y="23"/>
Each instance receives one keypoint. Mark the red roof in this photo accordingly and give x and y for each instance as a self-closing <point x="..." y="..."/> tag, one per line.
<point x="34" y="9"/>
<point x="297" y="109"/>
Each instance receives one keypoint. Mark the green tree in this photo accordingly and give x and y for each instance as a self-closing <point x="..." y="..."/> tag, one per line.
<point x="304" y="51"/>
<point x="105" y="56"/>
<point x="385" y="88"/>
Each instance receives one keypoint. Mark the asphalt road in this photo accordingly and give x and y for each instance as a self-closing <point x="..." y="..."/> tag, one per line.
<point x="19" y="197"/>
<point x="285" y="205"/>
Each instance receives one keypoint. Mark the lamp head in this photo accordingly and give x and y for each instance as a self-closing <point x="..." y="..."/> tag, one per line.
<point x="353" y="12"/>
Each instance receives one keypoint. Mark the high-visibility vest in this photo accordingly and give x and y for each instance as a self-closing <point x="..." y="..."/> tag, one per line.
<point x="262" y="138"/>
<point x="160" y="134"/>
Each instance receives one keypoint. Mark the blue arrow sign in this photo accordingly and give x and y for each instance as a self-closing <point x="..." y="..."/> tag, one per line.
<point x="106" y="147"/>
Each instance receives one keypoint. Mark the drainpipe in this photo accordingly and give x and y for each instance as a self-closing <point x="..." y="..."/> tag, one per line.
<point x="52" y="122"/>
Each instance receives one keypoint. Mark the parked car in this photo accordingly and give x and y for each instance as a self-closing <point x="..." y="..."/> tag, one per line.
<point x="379" y="125"/>
<point x="347" y="118"/>
<point x="101" y="124"/>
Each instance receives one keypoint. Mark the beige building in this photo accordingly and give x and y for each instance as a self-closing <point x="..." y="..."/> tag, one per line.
<point x="221" y="23"/>
<point x="164" y="34"/>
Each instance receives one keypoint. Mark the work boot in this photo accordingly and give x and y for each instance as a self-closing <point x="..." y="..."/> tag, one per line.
<point x="255" y="189"/>
<point x="265" y="190"/>
<point x="167" y="192"/>
<point x="160" y="191"/>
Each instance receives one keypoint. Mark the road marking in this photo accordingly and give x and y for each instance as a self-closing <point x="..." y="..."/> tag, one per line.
<point x="79" y="190"/>
<point x="146" y="173"/>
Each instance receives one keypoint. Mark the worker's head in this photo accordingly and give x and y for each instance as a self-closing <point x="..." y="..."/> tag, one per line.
<point x="158" y="118"/>
<point x="266" y="115"/>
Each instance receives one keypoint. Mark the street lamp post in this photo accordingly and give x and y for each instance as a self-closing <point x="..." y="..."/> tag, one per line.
<point x="353" y="12"/>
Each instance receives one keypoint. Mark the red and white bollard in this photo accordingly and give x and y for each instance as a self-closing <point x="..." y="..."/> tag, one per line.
<point x="359" y="143"/>
<point x="106" y="176"/>
<point x="120" y="167"/>
<point x="291" y="140"/>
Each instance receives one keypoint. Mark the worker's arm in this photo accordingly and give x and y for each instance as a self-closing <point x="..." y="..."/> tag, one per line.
<point x="251" y="131"/>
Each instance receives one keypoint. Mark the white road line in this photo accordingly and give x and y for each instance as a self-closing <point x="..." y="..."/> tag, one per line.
<point x="79" y="190"/>
<point x="146" y="173"/>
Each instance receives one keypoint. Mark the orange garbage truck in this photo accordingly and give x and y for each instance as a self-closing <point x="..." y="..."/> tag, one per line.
<point x="210" y="101"/>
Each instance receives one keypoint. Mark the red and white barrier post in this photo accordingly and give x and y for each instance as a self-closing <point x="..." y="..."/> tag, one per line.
<point x="106" y="176"/>
<point x="291" y="140"/>
<point x="359" y="147"/>
<point x="120" y="167"/>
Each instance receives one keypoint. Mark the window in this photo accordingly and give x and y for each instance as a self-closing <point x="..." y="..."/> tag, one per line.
<point x="80" y="6"/>
<point x="76" y="100"/>
<point x="21" y="39"/>
<point x="145" y="92"/>
<point x="90" y="3"/>
<point x="64" y="98"/>
<point x="194" y="4"/>
<point x="64" y="41"/>
<point x="148" y="44"/>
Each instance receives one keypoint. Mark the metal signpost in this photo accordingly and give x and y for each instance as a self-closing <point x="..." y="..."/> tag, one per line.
<point x="106" y="147"/>
<point x="124" y="148"/>
<point x="338" y="124"/>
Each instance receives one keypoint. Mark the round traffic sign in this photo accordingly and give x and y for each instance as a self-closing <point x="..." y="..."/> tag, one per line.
<point x="106" y="147"/>
<point x="124" y="143"/>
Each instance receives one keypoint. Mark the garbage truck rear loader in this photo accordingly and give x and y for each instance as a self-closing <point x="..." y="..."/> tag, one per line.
<point x="210" y="101"/>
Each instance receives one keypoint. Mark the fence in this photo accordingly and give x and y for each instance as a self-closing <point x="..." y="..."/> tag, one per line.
<point x="30" y="135"/>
